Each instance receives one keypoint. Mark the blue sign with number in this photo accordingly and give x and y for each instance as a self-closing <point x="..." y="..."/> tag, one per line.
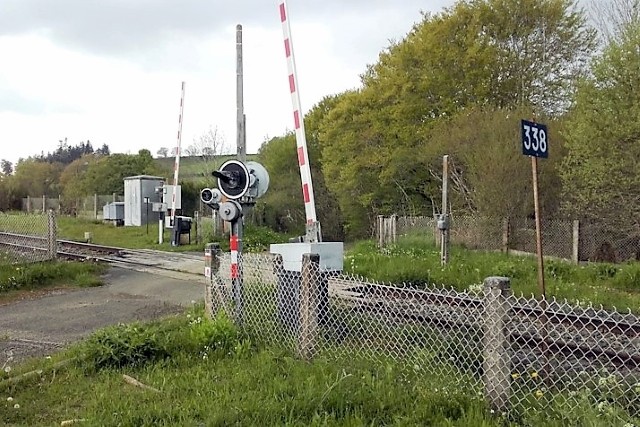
<point x="535" y="140"/>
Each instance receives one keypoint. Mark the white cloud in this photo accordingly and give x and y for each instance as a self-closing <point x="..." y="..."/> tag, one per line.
<point x="111" y="71"/>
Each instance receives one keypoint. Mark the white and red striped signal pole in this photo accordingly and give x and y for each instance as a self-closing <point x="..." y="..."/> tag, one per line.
<point x="176" y="166"/>
<point x="313" y="227"/>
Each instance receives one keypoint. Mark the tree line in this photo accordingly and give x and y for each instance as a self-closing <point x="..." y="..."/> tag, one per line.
<point x="71" y="172"/>
<point x="459" y="83"/>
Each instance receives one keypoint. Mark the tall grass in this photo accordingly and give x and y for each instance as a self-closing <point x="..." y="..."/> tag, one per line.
<point x="415" y="260"/>
<point x="31" y="276"/>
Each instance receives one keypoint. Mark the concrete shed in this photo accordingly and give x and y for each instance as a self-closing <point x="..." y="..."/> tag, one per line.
<point x="136" y="189"/>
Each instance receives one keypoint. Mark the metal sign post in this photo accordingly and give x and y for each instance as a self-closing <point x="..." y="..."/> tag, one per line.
<point x="535" y="144"/>
<point x="443" y="222"/>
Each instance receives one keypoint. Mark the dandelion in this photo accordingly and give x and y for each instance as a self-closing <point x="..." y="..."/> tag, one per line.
<point x="7" y="369"/>
<point x="9" y="399"/>
<point x="539" y="394"/>
<point x="515" y="375"/>
<point x="16" y="406"/>
<point x="48" y="357"/>
<point x="534" y="375"/>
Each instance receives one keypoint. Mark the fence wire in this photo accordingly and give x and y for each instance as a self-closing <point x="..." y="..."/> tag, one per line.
<point x="522" y="355"/>
<point x="27" y="238"/>
<point x="567" y="239"/>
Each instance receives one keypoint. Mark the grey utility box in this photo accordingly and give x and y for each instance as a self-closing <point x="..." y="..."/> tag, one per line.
<point x="289" y="277"/>
<point x="139" y="196"/>
<point x="114" y="211"/>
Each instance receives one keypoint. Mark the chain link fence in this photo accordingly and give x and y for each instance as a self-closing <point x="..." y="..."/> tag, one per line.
<point x="90" y="207"/>
<point x="523" y="356"/>
<point x="27" y="237"/>
<point x="567" y="239"/>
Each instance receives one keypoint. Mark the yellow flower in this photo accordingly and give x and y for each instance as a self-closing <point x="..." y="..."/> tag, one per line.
<point x="539" y="394"/>
<point x="515" y="375"/>
<point x="534" y="374"/>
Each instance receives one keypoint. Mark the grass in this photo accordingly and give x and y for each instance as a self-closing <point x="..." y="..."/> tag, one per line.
<point x="209" y="373"/>
<point x="416" y="261"/>
<point x="18" y="279"/>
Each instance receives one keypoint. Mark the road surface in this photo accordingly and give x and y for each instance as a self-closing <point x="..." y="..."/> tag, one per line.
<point x="44" y="324"/>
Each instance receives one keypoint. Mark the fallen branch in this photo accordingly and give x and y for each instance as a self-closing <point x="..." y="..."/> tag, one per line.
<point x="27" y="375"/>
<point x="137" y="383"/>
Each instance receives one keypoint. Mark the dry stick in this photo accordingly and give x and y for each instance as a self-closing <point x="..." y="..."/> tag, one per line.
<point x="70" y="422"/>
<point x="19" y="378"/>
<point x="137" y="383"/>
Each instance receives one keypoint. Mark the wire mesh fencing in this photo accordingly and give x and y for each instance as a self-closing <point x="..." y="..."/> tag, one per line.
<point x="521" y="355"/>
<point x="27" y="237"/>
<point x="567" y="239"/>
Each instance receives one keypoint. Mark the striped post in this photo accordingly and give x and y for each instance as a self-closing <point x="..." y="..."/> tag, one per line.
<point x="303" y="157"/>
<point x="176" y="166"/>
<point x="233" y="246"/>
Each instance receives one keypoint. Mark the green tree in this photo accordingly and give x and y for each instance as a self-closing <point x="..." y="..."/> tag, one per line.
<point x="488" y="173"/>
<point x="377" y="145"/>
<point x="35" y="178"/>
<point x="6" y="166"/>
<point x="601" y="174"/>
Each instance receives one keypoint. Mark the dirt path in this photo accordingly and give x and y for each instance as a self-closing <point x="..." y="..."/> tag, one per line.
<point x="39" y="326"/>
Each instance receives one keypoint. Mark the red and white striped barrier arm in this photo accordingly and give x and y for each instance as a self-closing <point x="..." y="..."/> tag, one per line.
<point x="301" y="141"/>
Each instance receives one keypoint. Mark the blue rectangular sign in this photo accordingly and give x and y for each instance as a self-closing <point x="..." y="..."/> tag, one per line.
<point x="535" y="139"/>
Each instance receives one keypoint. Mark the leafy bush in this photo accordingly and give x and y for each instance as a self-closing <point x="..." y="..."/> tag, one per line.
<point x="257" y="239"/>
<point x="125" y="345"/>
<point x="137" y="344"/>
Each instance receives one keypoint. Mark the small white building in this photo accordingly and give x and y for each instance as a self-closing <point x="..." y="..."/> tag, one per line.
<point x="139" y="195"/>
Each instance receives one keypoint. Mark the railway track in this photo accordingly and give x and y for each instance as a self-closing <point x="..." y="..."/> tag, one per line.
<point x="159" y="262"/>
<point x="24" y="244"/>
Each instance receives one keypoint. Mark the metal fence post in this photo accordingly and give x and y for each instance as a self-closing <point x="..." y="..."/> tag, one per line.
<point x="497" y="375"/>
<point x="196" y="217"/>
<point x="575" y="253"/>
<point x="52" y="235"/>
<point x="211" y="268"/>
<point x="309" y="305"/>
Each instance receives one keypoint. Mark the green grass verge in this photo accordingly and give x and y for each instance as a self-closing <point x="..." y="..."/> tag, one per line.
<point x="208" y="373"/>
<point x="416" y="261"/>
<point x="17" y="278"/>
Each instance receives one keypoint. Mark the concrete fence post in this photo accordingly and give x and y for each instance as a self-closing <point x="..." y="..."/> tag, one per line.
<point x="44" y="203"/>
<point x="52" y="235"/>
<point x="28" y="204"/>
<point x="95" y="206"/>
<point x="380" y="230"/>
<point x="575" y="253"/>
<point x="497" y="362"/>
<point x="505" y="235"/>
<point x="309" y="305"/>
<point x="394" y="228"/>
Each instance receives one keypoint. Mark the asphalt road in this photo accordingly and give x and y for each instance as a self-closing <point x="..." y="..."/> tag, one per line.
<point x="39" y="326"/>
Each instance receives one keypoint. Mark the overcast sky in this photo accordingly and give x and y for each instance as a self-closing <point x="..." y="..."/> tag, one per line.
<point x="110" y="71"/>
